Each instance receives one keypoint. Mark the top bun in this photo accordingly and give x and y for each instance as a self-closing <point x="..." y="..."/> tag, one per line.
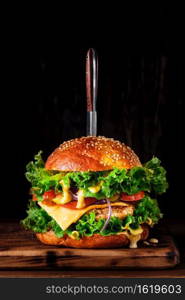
<point x="92" y="153"/>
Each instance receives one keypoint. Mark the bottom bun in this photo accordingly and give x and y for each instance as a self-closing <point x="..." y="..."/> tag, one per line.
<point x="94" y="241"/>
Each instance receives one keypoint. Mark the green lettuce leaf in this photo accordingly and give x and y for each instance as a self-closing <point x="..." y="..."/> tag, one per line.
<point x="41" y="179"/>
<point x="151" y="177"/>
<point x="56" y="228"/>
<point x="37" y="218"/>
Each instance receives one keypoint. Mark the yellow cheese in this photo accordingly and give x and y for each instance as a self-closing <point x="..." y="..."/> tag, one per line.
<point x="65" y="216"/>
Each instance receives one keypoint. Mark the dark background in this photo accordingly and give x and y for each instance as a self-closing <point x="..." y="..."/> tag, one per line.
<point x="140" y="97"/>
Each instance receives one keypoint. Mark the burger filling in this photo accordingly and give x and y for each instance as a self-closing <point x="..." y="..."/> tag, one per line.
<point x="84" y="203"/>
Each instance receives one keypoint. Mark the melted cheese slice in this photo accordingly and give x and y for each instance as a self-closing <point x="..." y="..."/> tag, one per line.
<point x="65" y="216"/>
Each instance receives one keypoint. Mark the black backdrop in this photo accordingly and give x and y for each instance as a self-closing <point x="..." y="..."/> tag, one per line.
<point x="140" y="98"/>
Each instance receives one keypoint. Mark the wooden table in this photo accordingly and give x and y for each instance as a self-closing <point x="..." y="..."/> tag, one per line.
<point x="175" y="227"/>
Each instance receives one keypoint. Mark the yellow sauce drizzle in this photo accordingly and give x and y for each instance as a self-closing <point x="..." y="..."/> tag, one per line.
<point x="81" y="199"/>
<point x="65" y="197"/>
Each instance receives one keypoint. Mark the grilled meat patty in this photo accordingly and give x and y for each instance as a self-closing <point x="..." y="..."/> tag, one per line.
<point x="117" y="211"/>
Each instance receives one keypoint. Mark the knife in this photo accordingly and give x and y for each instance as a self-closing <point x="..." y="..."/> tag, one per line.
<point x="91" y="91"/>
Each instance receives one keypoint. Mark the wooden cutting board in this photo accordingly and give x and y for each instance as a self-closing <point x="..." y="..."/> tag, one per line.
<point x="20" y="249"/>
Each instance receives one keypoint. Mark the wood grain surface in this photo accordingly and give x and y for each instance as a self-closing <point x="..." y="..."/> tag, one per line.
<point x="19" y="249"/>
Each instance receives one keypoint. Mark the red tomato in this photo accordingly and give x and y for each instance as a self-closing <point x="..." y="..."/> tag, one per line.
<point x="72" y="204"/>
<point x="49" y="195"/>
<point x="134" y="197"/>
<point x="34" y="197"/>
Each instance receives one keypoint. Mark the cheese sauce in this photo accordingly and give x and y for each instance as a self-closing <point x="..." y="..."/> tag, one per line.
<point x="65" y="197"/>
<point x="81" y="199"/>
<point x="133" y="240"/>
<point x="95" y="188"/>
<point x="134" y="235"/>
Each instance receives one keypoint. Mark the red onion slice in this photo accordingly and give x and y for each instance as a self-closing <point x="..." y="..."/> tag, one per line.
<point x="101" y="201"/>
<point x="108" y="216"/>
<point x="74" y="196"/>
<point x="74" y="193"/>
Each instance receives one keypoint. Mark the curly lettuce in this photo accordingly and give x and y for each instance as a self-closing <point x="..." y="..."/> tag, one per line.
<point x="37" y="218"/>
<point x="151" y="177"/>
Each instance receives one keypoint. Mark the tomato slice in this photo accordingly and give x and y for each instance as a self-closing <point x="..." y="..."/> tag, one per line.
<point x="34" y="197"/>
<point x="134" y="197"/>
<point x="72" y="204"/>
<point x="49" y="195"/>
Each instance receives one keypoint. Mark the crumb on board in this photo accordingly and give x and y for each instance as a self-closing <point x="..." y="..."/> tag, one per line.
<point x="153" y="241"/>
<point x="146" y="243"/>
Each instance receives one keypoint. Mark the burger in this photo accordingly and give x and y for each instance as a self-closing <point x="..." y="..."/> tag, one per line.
<point x="93" y="192"/>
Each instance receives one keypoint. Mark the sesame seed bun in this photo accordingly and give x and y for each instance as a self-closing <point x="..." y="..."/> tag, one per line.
<point x="95" y="241"/>
<point x="92" y="154"/>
